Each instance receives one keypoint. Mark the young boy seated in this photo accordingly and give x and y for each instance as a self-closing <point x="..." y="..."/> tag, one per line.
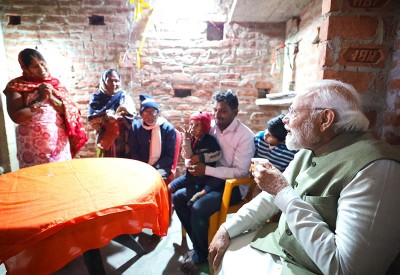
<point x="270" y="144"/>
<point x="198" y="146"/>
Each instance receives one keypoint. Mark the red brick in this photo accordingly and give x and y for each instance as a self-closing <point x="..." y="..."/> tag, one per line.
<point x="394" y="84"/>
<point x="207" y="85"/>
<point x="171" y="68"/>
<point x="379" y="83"/>
<point x="258" y="115"/>
<point x="360" y="80"/>
<point x="203" y="93"/>
<point x="230" y="76"/>
<point x="264" y="85"/>
<point x="391" y="119"/>
<point x="363" y="55"/>
<point x="245" y="69"/>
<point x="352" y="27"/>
<point x="206" y="77"/>
<point x="182" y="77"/>
<point x="331" y="6"/>
<point x="245" y="53"/>
<point x="183" y="86"/>
<point x="372" y="6"/>
<point x="249" y="92"/>
<point x="230" y="83"/>
<point x="310" y="14"/>
<point x="151" y="83"/>
<point x="54" y="19"/>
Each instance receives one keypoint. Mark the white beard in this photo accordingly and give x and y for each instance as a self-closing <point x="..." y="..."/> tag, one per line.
<point x="303" y="137"/>
<point x="292" y="143"/>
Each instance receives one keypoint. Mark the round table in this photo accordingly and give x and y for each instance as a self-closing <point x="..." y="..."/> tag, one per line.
<point x="52" y="213"/>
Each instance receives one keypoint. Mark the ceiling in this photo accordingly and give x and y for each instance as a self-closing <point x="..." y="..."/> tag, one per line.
<point x="266" y="10"/>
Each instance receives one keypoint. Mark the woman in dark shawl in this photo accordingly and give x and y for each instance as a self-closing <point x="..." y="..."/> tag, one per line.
<point x="111" y="111"/>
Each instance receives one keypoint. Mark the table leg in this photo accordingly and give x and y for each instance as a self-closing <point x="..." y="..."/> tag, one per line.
<point x="93" y="262"/>
<point x="128" y="241"/>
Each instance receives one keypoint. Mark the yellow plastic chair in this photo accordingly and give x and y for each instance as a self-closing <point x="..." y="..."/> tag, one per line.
<point x="219" y="217"/>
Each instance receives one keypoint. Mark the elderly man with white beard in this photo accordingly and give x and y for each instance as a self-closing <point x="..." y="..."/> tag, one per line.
<point x="339" y="197"/>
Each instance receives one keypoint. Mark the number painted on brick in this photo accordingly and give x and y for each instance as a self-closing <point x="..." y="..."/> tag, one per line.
<point x="367" y="56"/>
<point x="363" y="3"/>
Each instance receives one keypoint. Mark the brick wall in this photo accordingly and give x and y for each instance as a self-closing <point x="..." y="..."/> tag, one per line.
<point x="362" y="35"/>
<point x="78" y="53"/>
<point x="328" y="35"/>
<point x="355" y="41"/>
<point x="301" y="36"/>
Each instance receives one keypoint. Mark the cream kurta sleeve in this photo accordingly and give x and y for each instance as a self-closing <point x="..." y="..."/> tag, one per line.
<point x="367" y="236"/>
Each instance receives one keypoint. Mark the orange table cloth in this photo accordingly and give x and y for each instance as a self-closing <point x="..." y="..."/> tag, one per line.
<point x="52" y="213"/>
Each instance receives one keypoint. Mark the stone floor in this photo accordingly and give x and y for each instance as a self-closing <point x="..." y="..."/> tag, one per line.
<point x="162" y="256"/>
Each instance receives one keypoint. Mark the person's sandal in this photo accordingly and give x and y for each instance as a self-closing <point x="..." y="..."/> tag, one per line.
<point x="188" y="267"/>
<point x="187" y="255"/>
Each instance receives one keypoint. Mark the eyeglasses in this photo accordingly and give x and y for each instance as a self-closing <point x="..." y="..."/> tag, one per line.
<point x="293" y="112"/>
<point x="151" y="112"/>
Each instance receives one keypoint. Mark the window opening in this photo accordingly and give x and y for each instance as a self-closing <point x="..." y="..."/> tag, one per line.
<point x="96" y="20"/>
<point x="215" y="31"/>
<point x="14" y="20"/>
<point x="182" y="92"/>
<point x="263" y="92"/>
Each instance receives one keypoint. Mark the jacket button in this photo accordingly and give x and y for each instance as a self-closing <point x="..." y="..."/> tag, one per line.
<point x="313" y="164"/>
<point x="288" y="232"/>
<point x="288" y="255"/>
<point x="296" y="184"/>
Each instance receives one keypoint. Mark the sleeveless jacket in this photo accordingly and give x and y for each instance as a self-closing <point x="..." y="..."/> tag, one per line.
<point x="319" y="181"/>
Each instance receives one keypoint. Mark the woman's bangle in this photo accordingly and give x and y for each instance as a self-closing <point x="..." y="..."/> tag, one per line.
<point x="57" y="102"/>
<point x="35" y="106"/>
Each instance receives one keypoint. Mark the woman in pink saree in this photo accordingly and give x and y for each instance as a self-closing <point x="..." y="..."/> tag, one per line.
<point x="49" y="123"/>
